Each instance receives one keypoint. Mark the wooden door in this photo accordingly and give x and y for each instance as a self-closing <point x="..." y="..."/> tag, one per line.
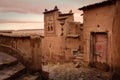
<point x="100" y="46"/>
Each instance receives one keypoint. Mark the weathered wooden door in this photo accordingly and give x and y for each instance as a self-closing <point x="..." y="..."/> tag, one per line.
<point x="100" y="45"/>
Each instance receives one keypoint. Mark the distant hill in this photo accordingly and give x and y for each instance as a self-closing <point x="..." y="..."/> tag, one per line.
<point x="25" y="32"/>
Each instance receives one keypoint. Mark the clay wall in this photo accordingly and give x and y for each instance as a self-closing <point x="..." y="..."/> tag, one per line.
<point x="116" y="39"/>
<point x="98" y="20"/>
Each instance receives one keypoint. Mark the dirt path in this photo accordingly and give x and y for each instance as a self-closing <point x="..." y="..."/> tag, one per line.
<point x="69" y="72"/>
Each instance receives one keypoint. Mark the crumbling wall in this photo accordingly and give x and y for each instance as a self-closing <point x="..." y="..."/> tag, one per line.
<point x="29" y="48"/>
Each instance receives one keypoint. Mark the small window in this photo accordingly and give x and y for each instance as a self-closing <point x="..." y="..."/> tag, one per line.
<point x="48" y="28"/>
<point x="51" y="28"/>
<point x="75" y="52"/>
<point x="62" y="29"/>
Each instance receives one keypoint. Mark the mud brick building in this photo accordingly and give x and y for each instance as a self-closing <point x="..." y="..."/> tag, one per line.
<point x="101" y="35"/>
<point x="62" y="36"/>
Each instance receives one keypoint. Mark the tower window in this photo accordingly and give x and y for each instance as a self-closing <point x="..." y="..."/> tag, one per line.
<point x="48" y="28"/>
<point x="51" y="28"/>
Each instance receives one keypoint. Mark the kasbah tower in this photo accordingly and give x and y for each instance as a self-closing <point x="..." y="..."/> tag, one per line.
<point x="62" y="37"/>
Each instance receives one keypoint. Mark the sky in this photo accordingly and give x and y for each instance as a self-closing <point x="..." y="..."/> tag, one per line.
<point x="28" y="14"/>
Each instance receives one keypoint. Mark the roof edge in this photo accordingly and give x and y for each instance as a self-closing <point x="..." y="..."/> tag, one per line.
<point x="100" y="4"/>
<point x="65" y="14"/>
<point x="50" y="11"/>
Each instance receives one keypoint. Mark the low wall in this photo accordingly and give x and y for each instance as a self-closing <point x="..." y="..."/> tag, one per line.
<point x="28" y="49"/>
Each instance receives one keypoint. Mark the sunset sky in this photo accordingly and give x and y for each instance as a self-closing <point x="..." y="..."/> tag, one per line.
<point x="27" y="14"/>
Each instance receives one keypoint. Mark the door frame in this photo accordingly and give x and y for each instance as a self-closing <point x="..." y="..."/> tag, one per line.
<point x="92" y="34"/>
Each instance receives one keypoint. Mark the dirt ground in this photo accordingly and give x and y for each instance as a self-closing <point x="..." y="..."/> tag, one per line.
<point x="69" y="72"/>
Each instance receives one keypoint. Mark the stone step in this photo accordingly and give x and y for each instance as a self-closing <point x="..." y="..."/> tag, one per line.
<point x="6" y="60"/>
<point x="12" y="72"/>
<point x="29" y="77"/>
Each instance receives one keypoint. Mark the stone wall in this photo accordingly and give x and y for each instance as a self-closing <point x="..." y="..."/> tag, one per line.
<point x="24" y="47"/>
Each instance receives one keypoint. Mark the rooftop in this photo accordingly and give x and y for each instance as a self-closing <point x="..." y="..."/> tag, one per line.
<point x="46" y="11"/>
<point x="100" y="4"/>
<point x="65" y="14"/>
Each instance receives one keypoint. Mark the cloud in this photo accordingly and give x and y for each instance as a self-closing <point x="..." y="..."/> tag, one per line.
<point x="17" y="26"/>
<point x="18" y="21"/>
<point x="35" y="6"/>
<point x="20" y="6"/>
<point x="22" y="14"/>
